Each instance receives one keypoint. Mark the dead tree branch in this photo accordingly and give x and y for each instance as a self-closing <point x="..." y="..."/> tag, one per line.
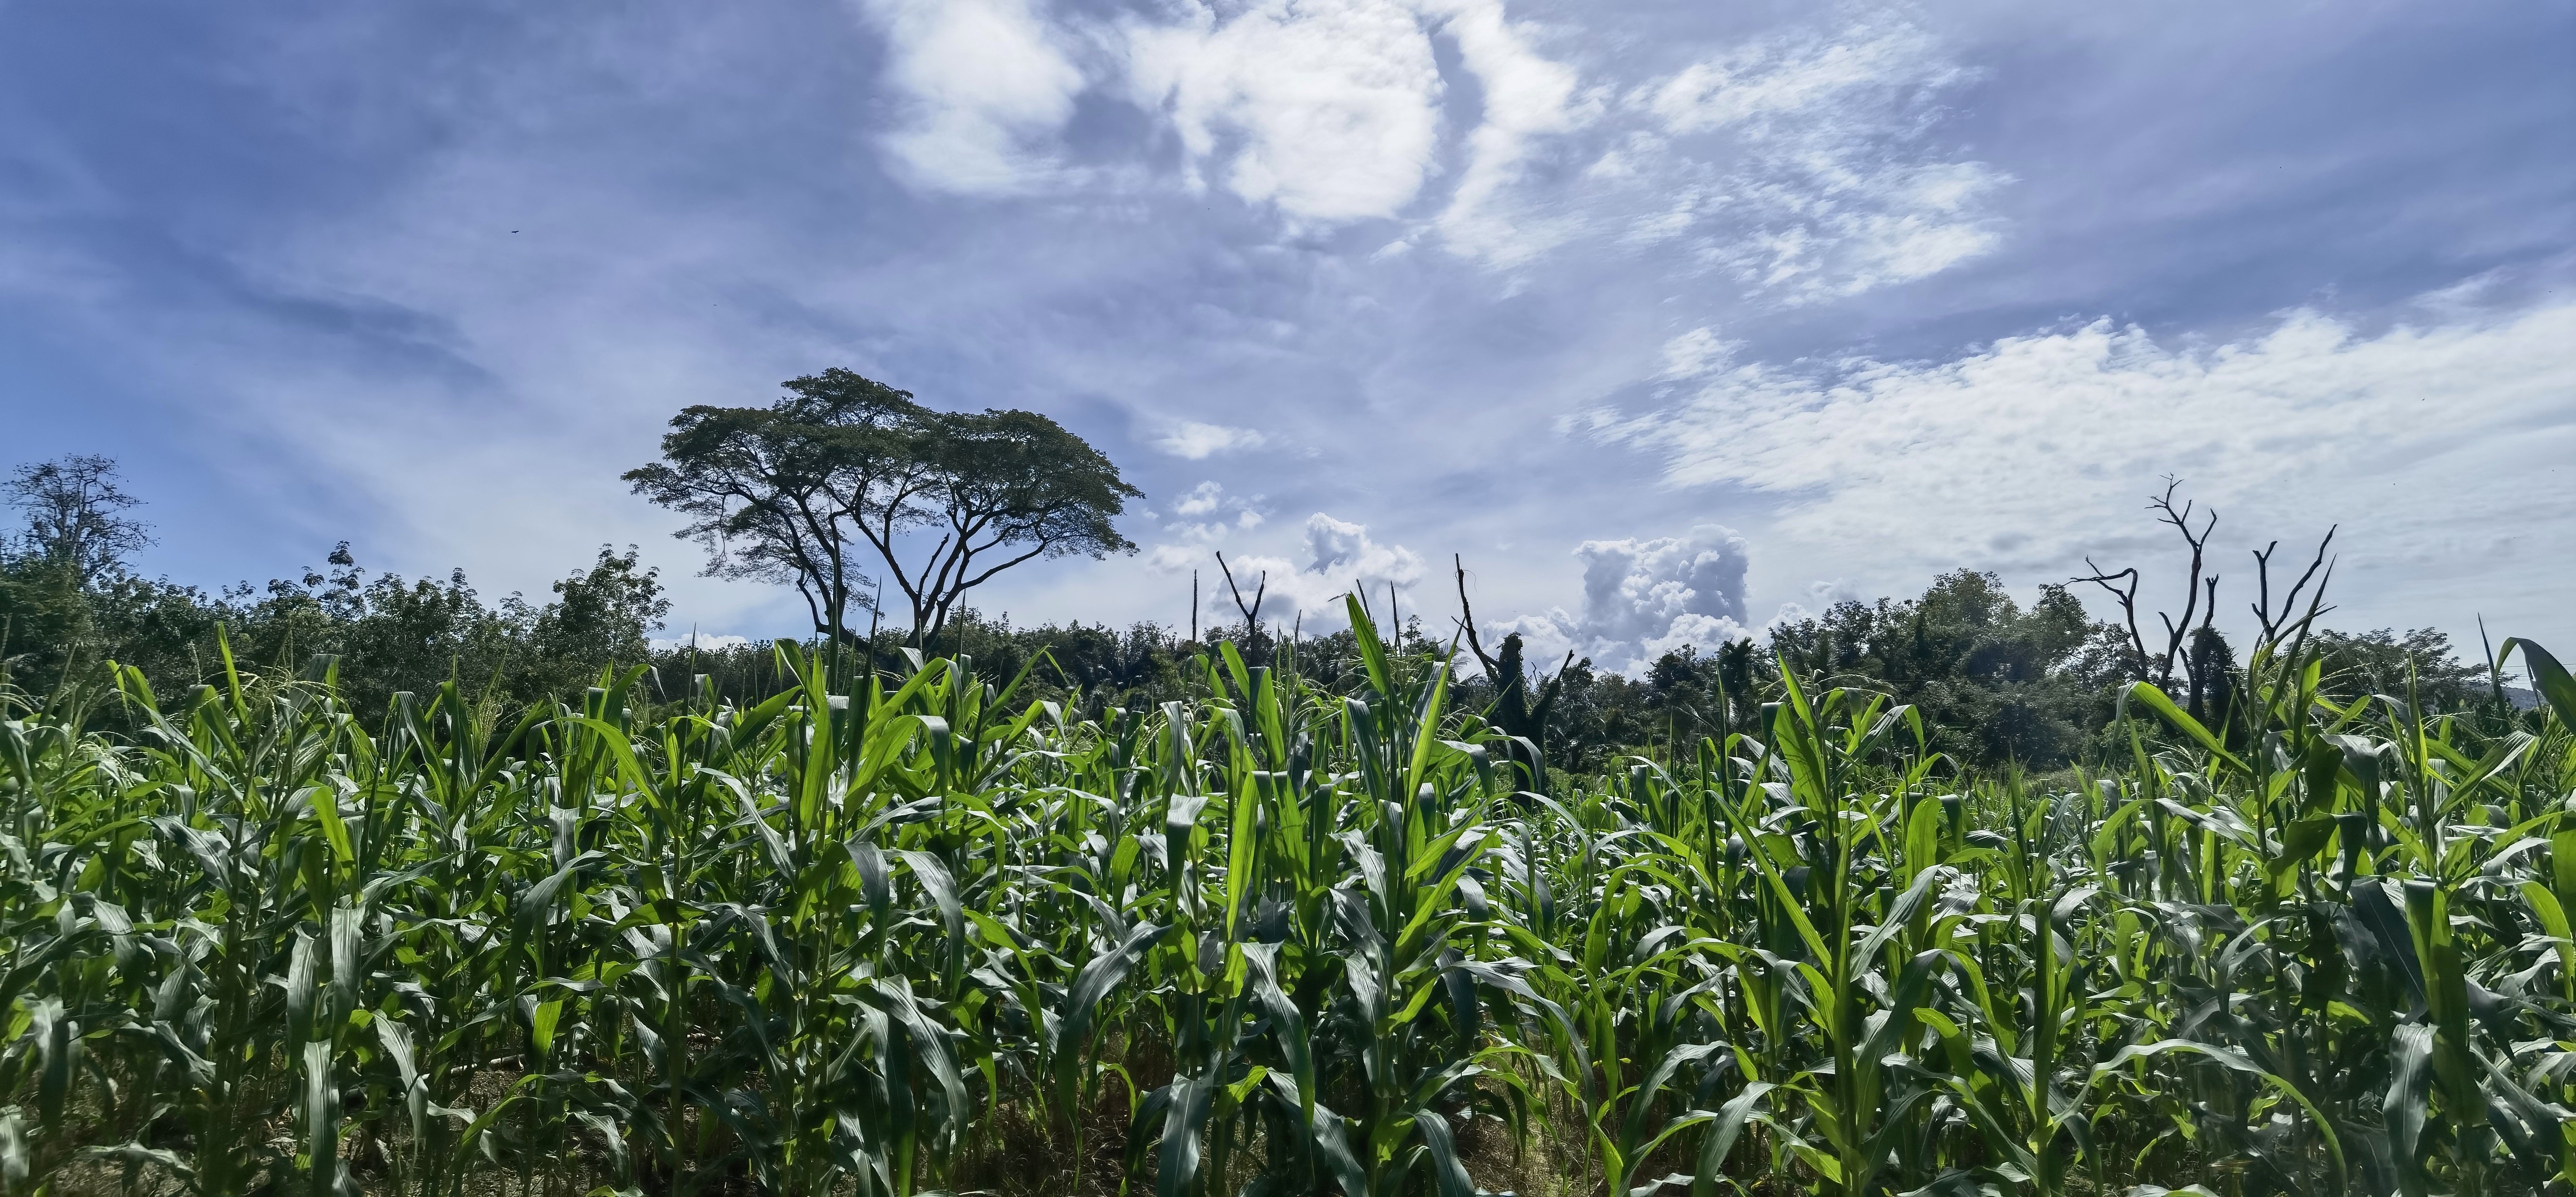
<point x="1251" y="612"/>
<point x="2128" y="597"/>
<point x="2277" y="622"/>
<point x="2200" y="594"/>
<point x="1467" y="622"/>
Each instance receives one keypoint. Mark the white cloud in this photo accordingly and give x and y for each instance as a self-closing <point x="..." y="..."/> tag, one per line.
<point x="1195" y="441"/>
<point x="1204" y="518"/>
<point x="1329" y="108"/>
<point x="1205" y="513"/>
<point x="987" y="84"/>
<point x="701" y="643"/>
<point x="1199" y="500"/>
<point x="1797" y="163"/>
<point x="1527" y="96"/>
<point x="1830" y="227"/>
<point x="1695" y="353"/>
<point x="1338" y="555"/>
<point x="2429" y="444"/>
<point x="1173" y="558"/>
<point x="1341" y="549"/>
<point x="1645" y="598"/>
<point x="1782" y="80"/>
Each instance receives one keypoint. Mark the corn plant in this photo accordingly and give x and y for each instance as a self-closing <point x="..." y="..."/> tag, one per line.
<point x="1297" y="934"/>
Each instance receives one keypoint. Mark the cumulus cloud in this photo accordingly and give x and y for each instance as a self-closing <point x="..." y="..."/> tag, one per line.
<point x="986" y="84"/>
<point x="1199" y="500"/>
<point x="1338" y="555"/>
<point x="1329" y="108"/>
<point x="1194" y="441"/>
<point x="1330" y="111"/>
<point x="1798" y="163"/>
<point x="1204" y="518"/>
<point x="1643" y="598"/>
<point x="2433" y="444"/>
<point x="1341" y="549"/>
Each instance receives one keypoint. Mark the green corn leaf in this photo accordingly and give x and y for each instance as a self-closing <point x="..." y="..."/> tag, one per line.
<point x="1090" y="988"/>
<point x="2548" y="677"/>
<point x="301" y="986"/>
<point x="1922" y="838"/>
<point x="1722" y="1133"/>
<point x="2409" y="1090"/>
<point x="396" y="1039"/>
<point x="1446" y="1171"/>
<point x="1185" y="1118"/>
<point x="1334" y="1146"/>
<point x="942" y="889"/>
<point x="324" y="1173"/>
<point x="325" y="805"/>
<point x="2304" y="839"/>
<point x="2148" y="696"/>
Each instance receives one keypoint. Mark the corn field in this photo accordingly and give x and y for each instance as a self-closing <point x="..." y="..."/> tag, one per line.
<point x="1300" y="935"/>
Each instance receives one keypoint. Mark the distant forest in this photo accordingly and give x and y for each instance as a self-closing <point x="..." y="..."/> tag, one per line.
<point x="1999" y="683"/>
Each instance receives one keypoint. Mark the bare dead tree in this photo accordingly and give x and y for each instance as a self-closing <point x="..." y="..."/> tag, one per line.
<point x="1524" y="721"/>
<point x="1251" y="612"/>
<point x="2123" y="586"/>
<point x="2193" y="642"/>
<point x="2277" y="622"/>
<point x="2178" y="632"/>
<point x="2203" y="588"/>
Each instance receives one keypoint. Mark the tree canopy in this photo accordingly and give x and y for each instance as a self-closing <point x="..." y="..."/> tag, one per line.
<point x="74" y="510"/>
<point x="845" y="468"/>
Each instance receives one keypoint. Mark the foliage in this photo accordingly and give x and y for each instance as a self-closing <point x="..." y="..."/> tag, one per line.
<point x="1995" y="684"/>
<point x="845" y="466"/>
<point x="389" y="633"/>
<point x="74" y="509"/>
<point x="2359" y="664"/>
<point x="782" y="493"/>
<point x="1287" y="934"/>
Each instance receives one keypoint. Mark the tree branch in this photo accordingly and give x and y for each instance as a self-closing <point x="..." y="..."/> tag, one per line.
<point x="1468" y="621"/>
<point x="1251" y="625"/>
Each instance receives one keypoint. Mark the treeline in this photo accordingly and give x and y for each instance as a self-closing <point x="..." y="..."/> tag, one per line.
<point x="384" y="633"/>
<point x="1998" y="683"/>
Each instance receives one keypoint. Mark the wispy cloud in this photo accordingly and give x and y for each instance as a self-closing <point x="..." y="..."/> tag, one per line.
<point x="2438" y="443"/>
<point x="1798" y="163"/>
<point x="1342" y="549"/>
<point x="1191" y="440"/>
<point x="1811" y="175"/>
<point x="1779" y="84"/>
<point x="1695" y="353"/>
<point x="1528" y="97"/>
<point x="1204" y="518"/>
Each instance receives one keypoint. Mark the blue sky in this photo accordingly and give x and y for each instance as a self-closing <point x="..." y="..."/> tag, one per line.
<point x="1668" y="317"/>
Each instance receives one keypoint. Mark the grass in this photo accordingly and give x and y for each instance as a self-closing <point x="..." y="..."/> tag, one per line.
<point x="1298" y="935"/>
